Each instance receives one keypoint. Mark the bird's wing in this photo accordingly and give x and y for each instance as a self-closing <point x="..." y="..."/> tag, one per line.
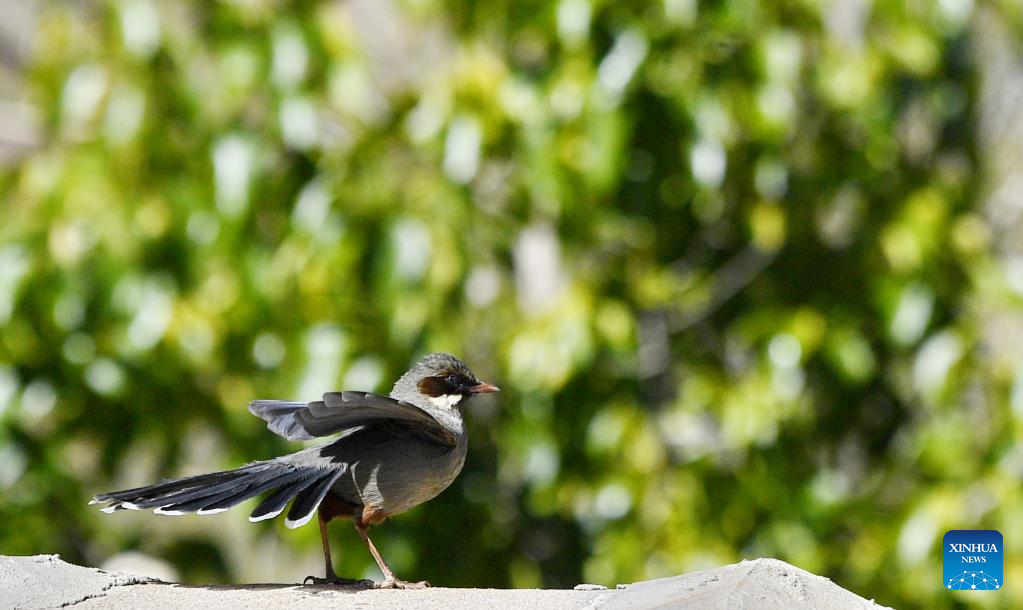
<point x="340" y="411"/>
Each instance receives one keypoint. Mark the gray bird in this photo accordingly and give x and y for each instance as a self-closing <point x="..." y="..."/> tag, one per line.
<point x="394" y="452"/>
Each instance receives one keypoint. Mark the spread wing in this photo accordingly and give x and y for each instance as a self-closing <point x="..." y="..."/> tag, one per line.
<point x="340" y="411"/>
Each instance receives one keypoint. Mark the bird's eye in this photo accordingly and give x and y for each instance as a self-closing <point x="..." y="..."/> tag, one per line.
<point x="452" y="379"/>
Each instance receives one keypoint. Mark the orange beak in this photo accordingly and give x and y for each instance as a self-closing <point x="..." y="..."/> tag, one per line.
<point x="484" y="388"/>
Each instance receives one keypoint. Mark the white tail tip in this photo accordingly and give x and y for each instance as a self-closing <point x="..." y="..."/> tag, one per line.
<point x="300" y="522"/>
<point x="266" y="516"/>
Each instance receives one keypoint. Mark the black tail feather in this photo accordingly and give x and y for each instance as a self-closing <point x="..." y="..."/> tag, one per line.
<point x="275" y="502"/>
<point x="309" y="499"/>
<point x="218" y="491"/>
<point x="198" y="503"/>
<point x="231" y="479"/>
<point x="149" y="491"/>
<point x="251" y="486"/>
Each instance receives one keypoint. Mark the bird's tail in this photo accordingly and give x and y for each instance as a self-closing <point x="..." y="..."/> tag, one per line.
<point x="207" y="494"/>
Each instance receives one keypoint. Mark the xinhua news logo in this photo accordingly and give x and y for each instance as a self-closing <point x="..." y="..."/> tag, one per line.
<point x="972" y="560"/>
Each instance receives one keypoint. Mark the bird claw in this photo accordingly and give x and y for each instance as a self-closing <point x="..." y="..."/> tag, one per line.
<point x="394" y="583"/>
<point x="338" y="581"/>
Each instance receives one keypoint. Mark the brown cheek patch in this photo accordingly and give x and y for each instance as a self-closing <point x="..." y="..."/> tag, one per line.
<point x="434" y="386"/>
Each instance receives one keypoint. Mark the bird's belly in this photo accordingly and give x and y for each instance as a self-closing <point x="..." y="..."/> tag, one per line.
<point x="401" y="500"/>
<point x="399" y="481"/>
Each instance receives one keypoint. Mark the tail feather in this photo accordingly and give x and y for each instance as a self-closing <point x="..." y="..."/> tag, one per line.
<point x="309" y="499"/>
<point x="274" y="504"/>
<point x="282" y="481"/>
<point x="251" y="486"/>
<point x="202" y="501"/>
<point x="164" y="487"/>
<point x="230" y="480"/>
<point x="218" y="491"/>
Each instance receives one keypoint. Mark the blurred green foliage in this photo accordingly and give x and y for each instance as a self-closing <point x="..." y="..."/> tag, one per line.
<point x="727" y="260"/>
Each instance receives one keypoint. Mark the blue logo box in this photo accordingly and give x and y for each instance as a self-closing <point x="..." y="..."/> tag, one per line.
<point x="972" y="560"/>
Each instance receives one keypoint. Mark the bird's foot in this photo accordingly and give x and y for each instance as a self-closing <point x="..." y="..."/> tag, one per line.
<point x="339" y="582"/>
<point x="394" y="583"/>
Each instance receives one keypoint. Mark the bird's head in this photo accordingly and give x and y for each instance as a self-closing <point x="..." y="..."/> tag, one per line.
<point x="441" y="380"/>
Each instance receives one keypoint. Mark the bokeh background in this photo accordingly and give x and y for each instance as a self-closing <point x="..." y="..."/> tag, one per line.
<point x="750" y="275"/>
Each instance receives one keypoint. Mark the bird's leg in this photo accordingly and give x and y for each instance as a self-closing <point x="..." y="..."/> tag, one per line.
<point x="390" y="582"/>
<point x="328" y="567"/>
<point x="330" y="577"/>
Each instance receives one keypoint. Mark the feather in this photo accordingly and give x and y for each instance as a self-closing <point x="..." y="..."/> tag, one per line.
<point x="225" y="501"/>
<point x="163" y="487"/>
<point x="308" y="501"/>
<point x="192" y="492"/>
<point x="273" y="504"/>
<point x="341" y="411"/>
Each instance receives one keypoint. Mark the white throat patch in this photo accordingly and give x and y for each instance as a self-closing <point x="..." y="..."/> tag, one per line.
<point x="445" y="401"/>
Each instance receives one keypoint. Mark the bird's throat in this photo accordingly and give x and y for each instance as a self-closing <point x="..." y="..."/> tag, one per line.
<point x="445" y="401"/>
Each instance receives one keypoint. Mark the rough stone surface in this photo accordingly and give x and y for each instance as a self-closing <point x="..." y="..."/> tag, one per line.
<point x="764" y="584"/>
<point x="44" y="581"/>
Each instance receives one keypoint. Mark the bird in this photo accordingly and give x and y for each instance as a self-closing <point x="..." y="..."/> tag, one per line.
<point x="392" y="453"/>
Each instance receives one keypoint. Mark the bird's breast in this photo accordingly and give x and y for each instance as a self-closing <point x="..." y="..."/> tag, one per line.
<point x="407" y="478"/>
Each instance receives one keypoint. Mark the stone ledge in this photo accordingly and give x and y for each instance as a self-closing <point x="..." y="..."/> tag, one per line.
<point x="45" y="581"/>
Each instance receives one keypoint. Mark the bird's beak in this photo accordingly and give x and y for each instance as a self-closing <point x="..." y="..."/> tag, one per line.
<point x="483" y="388"/>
